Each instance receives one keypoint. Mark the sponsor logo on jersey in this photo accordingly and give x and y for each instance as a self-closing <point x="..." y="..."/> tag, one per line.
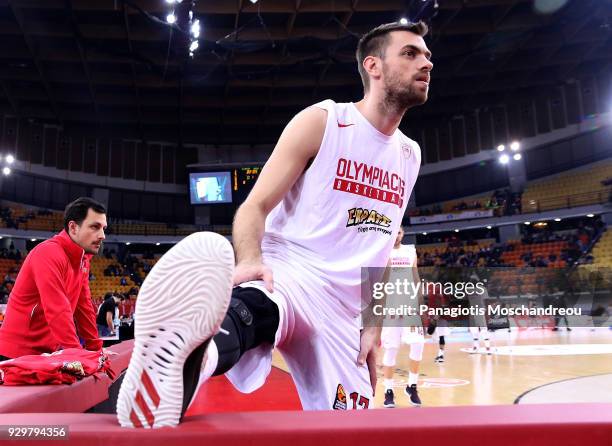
<point x="341" y="125"/>
<point x="340" y="400"/>
<point x="359" y="216"/>
<point x="373" y="182"/>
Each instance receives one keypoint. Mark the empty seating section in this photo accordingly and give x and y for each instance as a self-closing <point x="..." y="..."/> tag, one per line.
<point x="602" y="252"/>
<point x="101" y="284"/>
<point x="34" y="219"/>
<point x="579" y="187"/>
<point x="31" y="219"/>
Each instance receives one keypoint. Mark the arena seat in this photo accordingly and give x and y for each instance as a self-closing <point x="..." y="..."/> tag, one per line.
<point x="536" y="425"/>
<point x="514" y="257"/>
<point x="602" y="252"/>
<point x="78" y="397"/>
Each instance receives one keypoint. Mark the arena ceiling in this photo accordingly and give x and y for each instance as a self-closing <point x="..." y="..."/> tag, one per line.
<point x="116" y="67"/>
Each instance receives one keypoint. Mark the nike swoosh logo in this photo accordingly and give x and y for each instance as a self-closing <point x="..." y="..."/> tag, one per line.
<point x="344" y="125"/>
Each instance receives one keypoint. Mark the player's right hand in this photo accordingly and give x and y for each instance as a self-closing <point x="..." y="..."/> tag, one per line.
<point x="246" y="271"/>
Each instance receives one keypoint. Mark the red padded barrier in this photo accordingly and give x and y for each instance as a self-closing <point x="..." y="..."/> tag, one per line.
<point x="77" y="397"/>
<point x="219" y="395"/>
<point x="525" y="425"/>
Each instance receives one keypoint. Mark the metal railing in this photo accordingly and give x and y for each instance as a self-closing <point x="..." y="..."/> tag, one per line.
<point x="600" y="196"/>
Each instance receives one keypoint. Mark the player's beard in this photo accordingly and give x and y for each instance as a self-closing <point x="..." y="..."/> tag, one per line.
<point x="400" y="95"/>
<point x="91" y="250"/>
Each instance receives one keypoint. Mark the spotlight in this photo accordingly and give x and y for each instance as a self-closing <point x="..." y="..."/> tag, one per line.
<point x="517" y="156"/>
<point x="404" y="21"/>
<point x="171" y="2"/>
<point x="527" y="223"/>
<point x="504" y="159"/>
<point x="253" y="1"/>
<point x="128" y="243"/>
<point x="10" y="159"/>
<point x="456" y="230"/>
<point x="171" y="18"/>
<point x="557" y="219"/>
<point x="157" y="244"/>
<point x="515" y="146"/>
<point x="32" y="239"/>
<point x="194" y="46"/>
<point x="6" y="171"/>
<point x="195" y="29"/>
<point x="501" y="148"/>
<point x="590" y="215"/>
<point x="489" y="227"/>
<point x="424" y="233"/>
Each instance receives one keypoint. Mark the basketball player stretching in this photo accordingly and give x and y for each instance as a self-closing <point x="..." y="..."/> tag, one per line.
<point x="329" y="201"/>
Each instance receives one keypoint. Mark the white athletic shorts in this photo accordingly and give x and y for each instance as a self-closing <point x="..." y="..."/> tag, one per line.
<point x="478" y="331"/>
<point x="442" y="328"/>
<point x="320" y="345"/>
<point x="392" y="337"/>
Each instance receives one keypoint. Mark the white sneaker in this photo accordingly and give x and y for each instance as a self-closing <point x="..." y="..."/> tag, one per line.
<point x="181" y="305"/>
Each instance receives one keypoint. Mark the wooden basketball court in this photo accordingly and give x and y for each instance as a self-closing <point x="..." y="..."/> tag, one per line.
<point x="523" y="360"/>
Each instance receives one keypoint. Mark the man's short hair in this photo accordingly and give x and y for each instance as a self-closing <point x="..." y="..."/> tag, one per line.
<point x="375" y="42"/>
<point x="77" y="210"/>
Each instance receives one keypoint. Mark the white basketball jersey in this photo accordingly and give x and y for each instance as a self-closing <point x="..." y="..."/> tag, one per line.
<point x="405" y="255"/>
<point x="344" y="212"/>
<point x="402" y="260"/>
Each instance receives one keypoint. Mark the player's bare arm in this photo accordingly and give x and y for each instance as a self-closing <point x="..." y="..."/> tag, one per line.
<point x="370" y="340"/>
<point x="297" y="145"/>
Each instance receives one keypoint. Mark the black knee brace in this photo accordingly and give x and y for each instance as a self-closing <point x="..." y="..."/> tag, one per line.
<point x="251" y="320"/>
<point x="442" y="341"/>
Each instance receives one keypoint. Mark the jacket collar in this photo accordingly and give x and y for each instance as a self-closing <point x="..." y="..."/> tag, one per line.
<point x="75" y="253"/>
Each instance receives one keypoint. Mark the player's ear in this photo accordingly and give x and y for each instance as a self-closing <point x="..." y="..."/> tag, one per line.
<point x="373" y="66"/>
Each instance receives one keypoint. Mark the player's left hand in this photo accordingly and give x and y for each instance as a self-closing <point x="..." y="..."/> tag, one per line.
<point x="370" y="340"/>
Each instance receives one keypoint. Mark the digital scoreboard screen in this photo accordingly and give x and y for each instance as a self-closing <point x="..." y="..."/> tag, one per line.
<point x="210" y="187"/>
<point x="245" y="177"/>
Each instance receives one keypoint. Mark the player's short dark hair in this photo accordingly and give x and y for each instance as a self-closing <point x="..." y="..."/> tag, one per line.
<point x="375" y="42"/>
<point x="77" y="210"/>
